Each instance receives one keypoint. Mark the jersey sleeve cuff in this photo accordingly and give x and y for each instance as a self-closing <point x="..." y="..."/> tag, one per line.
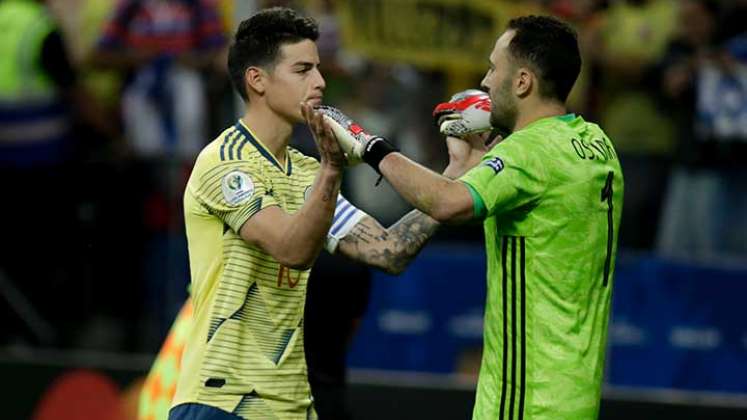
<point x="478" y="205"/>
<point x="241" y="216"/>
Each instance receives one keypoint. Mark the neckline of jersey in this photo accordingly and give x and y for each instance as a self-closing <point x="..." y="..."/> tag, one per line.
<point x="566" y="118"/>
<point x="264" y="150"/>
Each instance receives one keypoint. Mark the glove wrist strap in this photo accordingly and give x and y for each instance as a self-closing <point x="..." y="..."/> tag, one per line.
<point x="376" y="149"/>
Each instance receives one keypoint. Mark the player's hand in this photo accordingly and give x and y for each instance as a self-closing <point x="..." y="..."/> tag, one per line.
<point x="352" y="138"/>
<point x="466" y="113"/>
<point x="465" y="153"/>
<point x="330" y="152"/>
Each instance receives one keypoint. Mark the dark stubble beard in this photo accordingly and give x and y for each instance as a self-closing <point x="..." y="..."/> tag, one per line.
<point x="503" y="112"/>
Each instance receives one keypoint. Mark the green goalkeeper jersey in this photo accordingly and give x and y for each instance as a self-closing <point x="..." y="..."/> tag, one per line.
<point x="550" y="196"/>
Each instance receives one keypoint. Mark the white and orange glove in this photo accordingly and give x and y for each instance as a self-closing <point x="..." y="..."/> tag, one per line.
<point x="467" y="112"/>
<point x="358" y="145"/>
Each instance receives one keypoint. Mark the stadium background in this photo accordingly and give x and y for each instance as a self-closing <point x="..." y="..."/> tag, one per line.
<point x="82" y="325"/>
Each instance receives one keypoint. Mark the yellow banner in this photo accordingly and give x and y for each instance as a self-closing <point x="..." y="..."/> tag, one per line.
<point x="445" y="34"/>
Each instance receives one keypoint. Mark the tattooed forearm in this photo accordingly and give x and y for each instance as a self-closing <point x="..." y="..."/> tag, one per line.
<point x="409" y="235"/>
<point x="391" y="249"/>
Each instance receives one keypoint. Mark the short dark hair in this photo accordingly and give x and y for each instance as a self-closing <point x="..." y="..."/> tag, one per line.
<point x="259" y="38"/>
<point x="551" y="48"/>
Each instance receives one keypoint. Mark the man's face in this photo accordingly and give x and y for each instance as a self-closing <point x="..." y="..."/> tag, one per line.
<point x="498" y="81"/>
<point x="295" y="78"/>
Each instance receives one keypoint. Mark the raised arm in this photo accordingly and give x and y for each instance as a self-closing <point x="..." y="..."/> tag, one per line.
<point x="439" y="196"/>
<point x="295" y="240"/>
<point x="444" y="199"/>
<point x="391" y="249"/>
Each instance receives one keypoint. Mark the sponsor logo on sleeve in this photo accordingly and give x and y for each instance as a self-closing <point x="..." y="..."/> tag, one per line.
<point x="237" y="187"/>
<point x="496" y="164"/>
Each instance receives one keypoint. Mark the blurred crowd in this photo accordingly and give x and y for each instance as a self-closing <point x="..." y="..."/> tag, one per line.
<point x="105" y="104"/>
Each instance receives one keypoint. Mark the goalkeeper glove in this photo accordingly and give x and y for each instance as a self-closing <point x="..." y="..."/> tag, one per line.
<point x="354" y="141"/>
<point x="467" y="112"/>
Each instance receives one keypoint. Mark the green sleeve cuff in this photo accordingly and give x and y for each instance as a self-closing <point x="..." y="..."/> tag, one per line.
<point x="478" y="206"/>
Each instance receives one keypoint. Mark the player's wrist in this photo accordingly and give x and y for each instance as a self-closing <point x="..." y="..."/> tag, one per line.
<point x="376" y="150"/>
<point x="453" y="171"/>
<point x="331" y="168"/>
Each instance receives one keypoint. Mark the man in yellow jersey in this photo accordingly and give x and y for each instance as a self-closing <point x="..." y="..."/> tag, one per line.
<point x="257" y="212"/>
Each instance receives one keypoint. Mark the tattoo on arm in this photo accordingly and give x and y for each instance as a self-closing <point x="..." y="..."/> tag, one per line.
<point x="390" y="249"/>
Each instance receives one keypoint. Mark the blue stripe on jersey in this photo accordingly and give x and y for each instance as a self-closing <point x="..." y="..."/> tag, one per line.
<point x="290" y="163"/>
<point x="214" y="325"/>
<point x="241" y="147"/>
<point x="343" y="221"/>
<point x="247" y="399"/>
<point x="280" y="349"/>
<point x="225" y="141"/>
<point x="341" y="208"/>
<point x="258" y="146"/>
<point x="232" y="147"/>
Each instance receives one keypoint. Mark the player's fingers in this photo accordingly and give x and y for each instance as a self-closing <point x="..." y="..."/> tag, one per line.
<point x="480" y="140"/>
<point x="317" y="121"/>
<point x="305" y="112"/>
<point x="329" y="133"/>
<point x="492" y="142"/>
<point x="314" y="121"/>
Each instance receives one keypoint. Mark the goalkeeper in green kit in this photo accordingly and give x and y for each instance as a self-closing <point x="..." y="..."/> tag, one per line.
<point x="550" y="198"/>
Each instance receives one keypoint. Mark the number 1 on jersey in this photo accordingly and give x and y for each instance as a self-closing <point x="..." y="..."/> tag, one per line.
<point x="607" y="195"/>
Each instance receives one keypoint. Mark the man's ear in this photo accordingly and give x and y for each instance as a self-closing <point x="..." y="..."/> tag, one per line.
<point x="524" y="83"/>
<point x="255" y="79"/>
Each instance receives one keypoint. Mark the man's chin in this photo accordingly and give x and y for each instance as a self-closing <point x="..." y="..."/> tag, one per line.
<point x="500" y="125"/>
<point x="499" y="128"/>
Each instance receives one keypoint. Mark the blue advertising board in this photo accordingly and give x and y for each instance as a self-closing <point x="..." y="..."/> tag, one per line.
<point x="674" y="326"/>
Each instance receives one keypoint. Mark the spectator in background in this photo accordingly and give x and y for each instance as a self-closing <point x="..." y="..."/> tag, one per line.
<point x="163" y="44"/>
<point x="587" y="17"/>
<point x="703" y="79"/>
<point x="163" y="47"/>
<point x="41" y="101"/>
<point x="632" y="36"/>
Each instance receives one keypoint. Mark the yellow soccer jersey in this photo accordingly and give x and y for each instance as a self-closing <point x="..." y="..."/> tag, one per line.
<point x="245" y="354"/>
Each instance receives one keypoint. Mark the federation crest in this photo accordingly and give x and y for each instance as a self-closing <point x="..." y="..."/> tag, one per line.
<point x="496" y="164"/>
<point x="237" y="187"/>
